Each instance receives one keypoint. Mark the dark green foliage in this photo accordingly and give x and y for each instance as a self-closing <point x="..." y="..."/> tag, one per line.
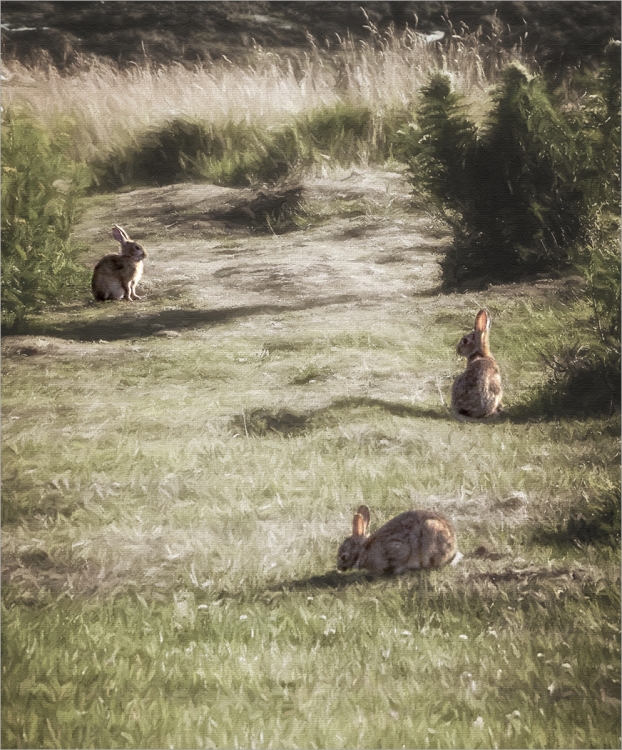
<point x="598" y="131"/>
<point x="235" y="154"/>
<point x="508" y="189"/>
<point x="339" y="132"/>
<point x="39" y="190"/>
<point x="445" y="143"/>
<point x="596" y="124"/>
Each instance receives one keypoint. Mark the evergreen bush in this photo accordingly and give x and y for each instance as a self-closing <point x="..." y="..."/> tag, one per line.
<point x="508" y="188"/>
<point x="39" y="191"/>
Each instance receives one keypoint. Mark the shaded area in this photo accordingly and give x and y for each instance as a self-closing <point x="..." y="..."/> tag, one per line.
<point x="396" y="409"/>
<point x="483" y="553"/>
<point x="593" y="520"/>
<point x="261" y="422"/>
<point x="332" y="579"/>
<point x="130" y="326"/>
<point x="289" y="423"/>
<point x="267" y="210"/>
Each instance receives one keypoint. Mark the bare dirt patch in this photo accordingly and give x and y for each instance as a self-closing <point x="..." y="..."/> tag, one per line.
<point x="193" y="233"/>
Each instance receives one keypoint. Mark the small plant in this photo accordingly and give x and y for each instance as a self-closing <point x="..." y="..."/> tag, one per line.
<point x="39" y="190"/>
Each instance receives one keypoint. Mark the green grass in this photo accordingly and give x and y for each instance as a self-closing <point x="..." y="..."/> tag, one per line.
<point x="239" y="154"/>
<point x="351" y="667"/>
<point x="40" y="188"/>
<point x="172" y="509"/>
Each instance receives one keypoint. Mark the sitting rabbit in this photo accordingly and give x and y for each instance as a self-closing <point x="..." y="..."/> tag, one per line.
<point x="414" y="540"/>
<point x="477" y="392"/>
<point x="116" y="275"/>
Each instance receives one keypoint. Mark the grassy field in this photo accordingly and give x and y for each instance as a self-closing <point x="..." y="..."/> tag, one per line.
<point x="179" y="472"/>
<point x="102" y="108"/>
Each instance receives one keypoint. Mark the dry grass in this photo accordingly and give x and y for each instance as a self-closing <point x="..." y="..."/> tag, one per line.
<point x="104" y="107"/>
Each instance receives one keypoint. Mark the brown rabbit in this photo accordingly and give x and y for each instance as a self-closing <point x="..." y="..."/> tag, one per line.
<point x="116" y="275"/>
<point x="477" y="392"/>
<point x="414" y="540"/>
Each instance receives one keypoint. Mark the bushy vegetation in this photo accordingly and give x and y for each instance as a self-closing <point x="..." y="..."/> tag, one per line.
<point x="240" y="154"/>
<point x="534" y="190"/>
<point x="39" y="190"/>
<point x="509" y="188"/>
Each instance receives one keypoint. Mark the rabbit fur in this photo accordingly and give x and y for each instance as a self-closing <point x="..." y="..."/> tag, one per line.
<point x="414" y="540"/>
<point x="477" y="392"/>
<point x="117" y="274"/>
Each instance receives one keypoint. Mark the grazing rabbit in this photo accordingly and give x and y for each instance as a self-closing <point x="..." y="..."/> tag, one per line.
<point x="116" y="275"/>
<point x="477" y="392"/>
<point x="414" y="540"/>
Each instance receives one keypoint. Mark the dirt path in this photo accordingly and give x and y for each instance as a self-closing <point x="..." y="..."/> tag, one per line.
<point x="358" y="246"/>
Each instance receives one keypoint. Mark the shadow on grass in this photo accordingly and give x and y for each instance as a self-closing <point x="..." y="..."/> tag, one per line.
<point x="335" y="580"/>
<point x="288" y="423"/>
<point x="397" y="409"/>
<point x="332" y="579"/>
<point x="537" y="412"/>
<point x="128" y="325"/>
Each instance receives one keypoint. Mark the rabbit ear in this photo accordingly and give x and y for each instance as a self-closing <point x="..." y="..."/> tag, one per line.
<point x="482" y="322"/>
<point x="119" y="234"/>
<point x="358" y="525"/>
<point x="364" y="511"/>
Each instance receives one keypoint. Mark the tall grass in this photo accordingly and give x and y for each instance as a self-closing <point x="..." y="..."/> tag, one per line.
<point x="39" y="191"/>
<point x="109" y="107"/>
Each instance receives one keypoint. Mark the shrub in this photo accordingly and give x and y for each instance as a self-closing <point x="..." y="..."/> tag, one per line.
<point x="598" y="258"/>
<point x="39" y="190"/>
<point x="584" y="381"/>
<point x="444" y="143"/>
<point x="509" y="189"/>
<point x="181" y="149"/>
<point x="239" y="154"/>
<point x="590" y="378"/>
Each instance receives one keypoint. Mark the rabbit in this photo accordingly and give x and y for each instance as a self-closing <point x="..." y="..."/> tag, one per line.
<point x="414" y="540"/>
<point x="477" y="392"/>
<point x="116" y="275"/>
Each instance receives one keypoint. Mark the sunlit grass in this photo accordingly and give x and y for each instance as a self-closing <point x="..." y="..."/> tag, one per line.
<point x="172" y="509"/>
<point x="105" y="108"/>
<point x="350" y="668"/>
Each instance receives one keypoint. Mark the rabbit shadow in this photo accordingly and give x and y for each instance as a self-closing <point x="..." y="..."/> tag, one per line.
<point x="128" y="325"/>
<point x="393" y="408"/>
<point x="289" y="423"/>
<point x="332" y="580"/>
